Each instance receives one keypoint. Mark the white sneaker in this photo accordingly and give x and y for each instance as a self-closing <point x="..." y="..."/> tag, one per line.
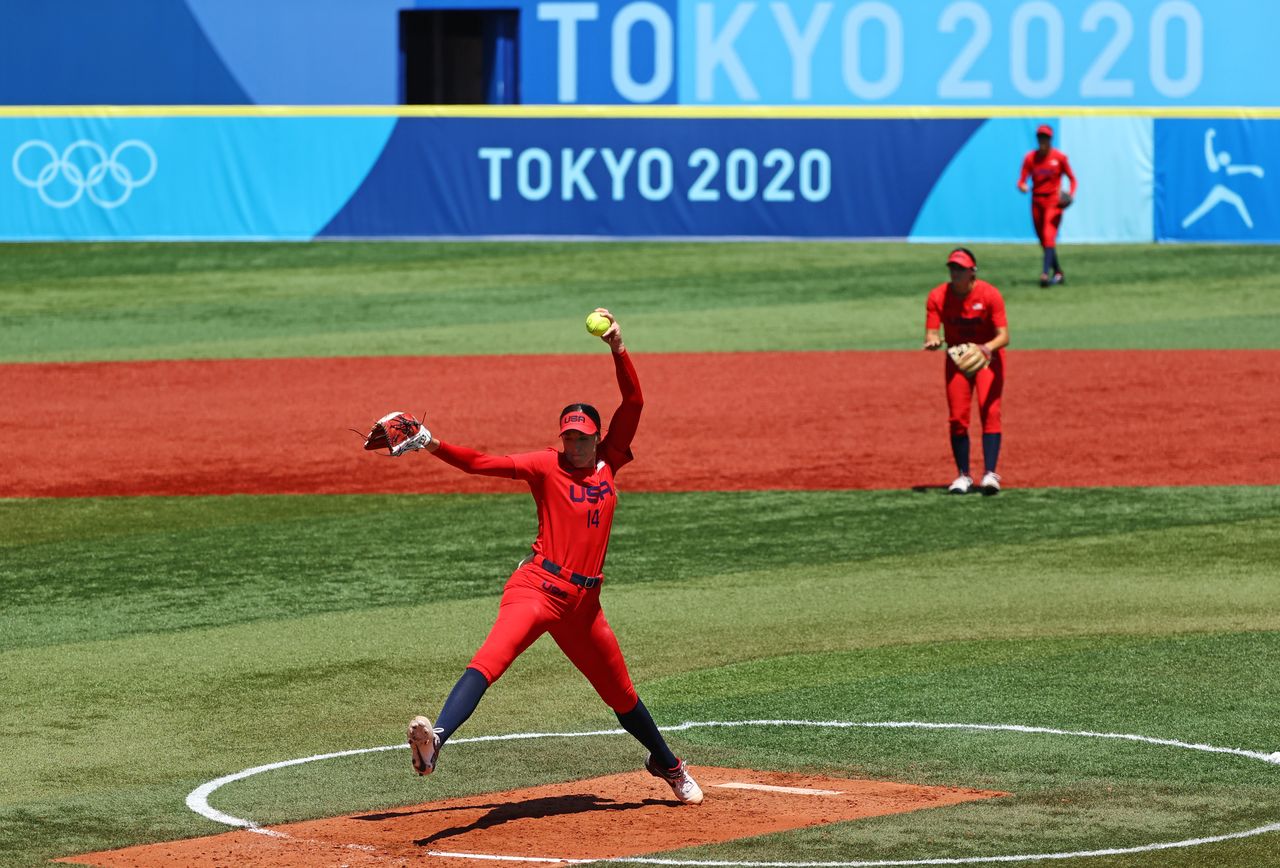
<point x="963" y="483"/>
<point x="682" y="783"/>
<point x="990" y="483"/>
<point x="424" y="744"/>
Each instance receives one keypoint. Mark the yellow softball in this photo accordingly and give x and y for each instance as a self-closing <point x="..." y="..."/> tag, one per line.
<point x="597" y="324"/>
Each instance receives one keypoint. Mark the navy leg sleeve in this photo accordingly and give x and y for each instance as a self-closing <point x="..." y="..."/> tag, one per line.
<point x="462" y="701"/>
<point x="990" y="451"/>
<point x="960" y="449"/>
<point x="640" y="723"/>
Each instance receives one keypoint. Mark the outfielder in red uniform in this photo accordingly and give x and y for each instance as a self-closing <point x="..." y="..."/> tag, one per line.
<point x="1045" y="166"/>
<point x="556" y="589"/>
<point x="970" y="311"/>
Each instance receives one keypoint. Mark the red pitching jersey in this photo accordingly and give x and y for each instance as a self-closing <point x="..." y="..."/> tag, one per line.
<point x="575" y="507"/>
<point x="972" y="318"/>
<point x="1046" y="172"/>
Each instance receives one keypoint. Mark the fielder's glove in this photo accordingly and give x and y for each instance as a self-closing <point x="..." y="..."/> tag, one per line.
<point x="398" y="433"/>
<point x="970" y="358"/>
<point x="1064" y="199"/>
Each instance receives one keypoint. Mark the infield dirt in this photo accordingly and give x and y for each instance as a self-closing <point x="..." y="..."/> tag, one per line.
<point x="615" y="816"/>
<point x="712" y="421"/>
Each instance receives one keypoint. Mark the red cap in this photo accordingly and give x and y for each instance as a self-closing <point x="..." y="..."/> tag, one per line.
<point x="959" y="257"/>
<point x="1044" y="130"/>
<point x="577" y="420"/>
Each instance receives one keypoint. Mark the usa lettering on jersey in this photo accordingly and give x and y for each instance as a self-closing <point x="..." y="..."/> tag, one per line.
<point x="590" y="493"/>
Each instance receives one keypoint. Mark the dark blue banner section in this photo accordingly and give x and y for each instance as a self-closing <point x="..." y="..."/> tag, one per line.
<point x="1217" y="180"/>
<point x="638" y="177"/>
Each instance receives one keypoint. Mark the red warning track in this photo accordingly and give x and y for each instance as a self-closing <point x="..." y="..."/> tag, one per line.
<point x="722" y="421"/>
<point x="615" y="816"/>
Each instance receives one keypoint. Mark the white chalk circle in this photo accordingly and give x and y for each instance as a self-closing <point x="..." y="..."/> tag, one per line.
<point x="198" y="799"/>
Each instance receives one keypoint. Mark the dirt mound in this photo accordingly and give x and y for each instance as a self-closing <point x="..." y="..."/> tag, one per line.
<point x="608" y="817"/>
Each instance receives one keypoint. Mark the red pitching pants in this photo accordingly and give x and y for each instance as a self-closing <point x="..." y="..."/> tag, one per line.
<point x="535" y="602"/>
<point x="1046" y="215"/>
<point x="989" y="385"/>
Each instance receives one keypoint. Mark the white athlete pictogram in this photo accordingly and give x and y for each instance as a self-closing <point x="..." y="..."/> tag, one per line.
<point x="1220" y="193"/>
<point x="84" y="180"/>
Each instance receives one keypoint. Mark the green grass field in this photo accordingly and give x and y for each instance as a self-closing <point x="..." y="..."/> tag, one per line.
<point x="165" y="301"/>
<point x="148" y="645"/>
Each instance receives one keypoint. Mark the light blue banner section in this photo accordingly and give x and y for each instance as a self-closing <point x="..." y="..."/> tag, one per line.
<point x="289" y="52"/>
<point x="104" y="178"/>
<point x="1112" y="159"/>
<point x="977" y="52"/>
<point x="977" y="196"/>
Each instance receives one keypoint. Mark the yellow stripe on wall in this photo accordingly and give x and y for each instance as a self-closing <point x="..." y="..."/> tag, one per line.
<point x="636" y="111"/>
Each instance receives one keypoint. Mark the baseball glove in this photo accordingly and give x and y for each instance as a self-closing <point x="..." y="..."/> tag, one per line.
<point x="1064" y="199"/>
<point x="397" y="433"/>
<point x="969" y="358"/>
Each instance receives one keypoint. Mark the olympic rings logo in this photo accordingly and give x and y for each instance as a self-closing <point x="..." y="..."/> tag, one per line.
<point x="86" y="180"/>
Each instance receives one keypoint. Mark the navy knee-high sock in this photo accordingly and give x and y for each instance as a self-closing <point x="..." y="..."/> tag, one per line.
<point x="640" y="723"/>
<point x="990" y="451"/>
<point x="1056" y="266"/>
<point x="960" y="449"/>
<point x="1050" y="259"/>
<point x="462" y="701"/>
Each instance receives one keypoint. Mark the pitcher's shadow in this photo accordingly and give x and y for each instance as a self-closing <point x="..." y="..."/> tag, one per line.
<point x="546" y="806"/>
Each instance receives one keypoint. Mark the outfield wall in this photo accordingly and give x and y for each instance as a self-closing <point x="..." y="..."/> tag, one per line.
<point x="692" y="52"/>
<point x="124" y="174"/>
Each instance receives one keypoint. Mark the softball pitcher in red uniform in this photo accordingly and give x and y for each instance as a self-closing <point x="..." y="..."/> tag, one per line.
<point x="556" y="589"/>
<point x="1045" y="166"/>
<point x="970" y="311"/>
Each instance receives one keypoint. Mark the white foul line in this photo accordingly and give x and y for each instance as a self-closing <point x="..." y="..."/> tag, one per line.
<point x="770" y="788"/>
<point x="198" y="799"/>
<point x="492" y="857"/>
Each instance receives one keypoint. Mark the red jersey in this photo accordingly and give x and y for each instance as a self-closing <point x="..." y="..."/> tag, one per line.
<point x="972" y="318"/>
<point x="575" y="507"/>
<point x="1046" y="172"/>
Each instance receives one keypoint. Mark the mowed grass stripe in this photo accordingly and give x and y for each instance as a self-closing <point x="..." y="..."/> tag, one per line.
<point x="84" y="302"/>
<point x="99" y="568"/>
<point x="168" y="712"/>
<point x="154" y="644"/>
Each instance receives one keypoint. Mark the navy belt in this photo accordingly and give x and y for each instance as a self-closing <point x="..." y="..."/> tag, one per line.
<point x="577" y="578"/>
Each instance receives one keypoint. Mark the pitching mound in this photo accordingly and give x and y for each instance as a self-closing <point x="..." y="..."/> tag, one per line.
<point x="614" y="816"/>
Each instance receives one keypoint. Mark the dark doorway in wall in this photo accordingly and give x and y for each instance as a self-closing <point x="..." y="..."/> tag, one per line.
<point x="459" y="56"/>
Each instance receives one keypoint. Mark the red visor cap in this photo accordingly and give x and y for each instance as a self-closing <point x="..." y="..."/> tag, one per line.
<point x="1044" y="130"/>
<point x="576" y="420"/>
<point x="960" y="258"/>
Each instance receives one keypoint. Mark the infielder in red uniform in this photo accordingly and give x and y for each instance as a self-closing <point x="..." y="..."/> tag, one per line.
<point x="970" y="311"/>
<point x="1045" y="166"/>
<point x="556" y="589"/>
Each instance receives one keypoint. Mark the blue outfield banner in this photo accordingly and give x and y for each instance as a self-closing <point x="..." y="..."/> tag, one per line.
<point x="261" y="176"/>
<point x="302" y="177"/>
